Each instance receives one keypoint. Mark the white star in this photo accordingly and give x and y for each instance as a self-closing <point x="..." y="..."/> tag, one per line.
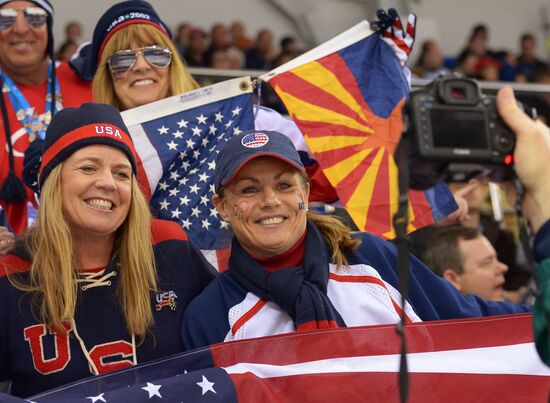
<point x="206" y="385"/>
<point x="205" y="142"/>
<point x="194" y="189"/>
<point x="206" y="224"/>
<point x="213" y="129"/>
<point x="163" y="130"/>
<point x="172" y="146"/>
<point x="176" y="213"/>
<point x="212" y="188"/>
<point x="224" y="225"/>
<point x="177" y="134"/>
<point x="196" y="131"/>
<point x="229" y="123"/>
<point x="236" y="111"/>
<point x="236" y="131"/>
<point x="98" y="398"/>
<point x="201" y="119"/>
<point x="185" y="165"/>
<point x="204" y="199"/>
<point x="153" y="390"/>
<point x="218" y="117"/>
<point x="164" y="204"/>
<point x="182" y="123"/>
<point x="183" y="181"/>
<point x="182" y="155"/>
<point x="213" y="212"/>
<point x="212" y="165"/>
<point x="174" y="175"/>
<point x="196" y="154"/>
<point x="190" y="143"/>
<point x="193" y="171"/>
<point x="174" y="192"/>
<point x="201" y="162"/>
<point x="203" y="177"/>
<point x="163" y="185"/>
<point x="172" y="165"/>
<point x="186" y="223"/>
<point x="195" y="212"/>
<point x="185" y="200"/>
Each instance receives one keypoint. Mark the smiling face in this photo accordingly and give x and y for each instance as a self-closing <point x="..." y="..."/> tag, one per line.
<point x="96" y="191"/>
<point x="143" y="83"/>
<point x="266" y="204"/>
<point x="482" y="273"/>
<point x="22" y="46"/>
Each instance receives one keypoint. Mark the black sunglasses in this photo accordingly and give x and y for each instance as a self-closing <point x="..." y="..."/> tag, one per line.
<point x="36" y="17"/>
<point x="124" y="60"/>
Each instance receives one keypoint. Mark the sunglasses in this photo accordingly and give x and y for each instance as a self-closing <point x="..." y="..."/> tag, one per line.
<point x="36" y="17"/>
<point x="123" y="60"/>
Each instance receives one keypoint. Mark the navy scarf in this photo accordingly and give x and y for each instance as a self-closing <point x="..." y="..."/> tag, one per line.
<point x="299" y="291"/>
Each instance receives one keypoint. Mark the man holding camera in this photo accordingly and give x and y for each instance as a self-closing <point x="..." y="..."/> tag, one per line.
<point x="531" y="155"/>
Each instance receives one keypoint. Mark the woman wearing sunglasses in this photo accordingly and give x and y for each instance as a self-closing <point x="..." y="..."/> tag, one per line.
<point x="134" y="59"/>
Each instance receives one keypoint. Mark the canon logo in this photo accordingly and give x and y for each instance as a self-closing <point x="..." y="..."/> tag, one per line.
<point x="113" y="131"/>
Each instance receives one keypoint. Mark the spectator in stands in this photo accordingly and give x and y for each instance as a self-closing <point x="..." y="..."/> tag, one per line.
<point x="34" y="89"/>
<point x="289" y="50"/>
<point x="430" y="62"/>
<point x="466" y="258"/>
<point x="239" y="38"/>
<point x="73" y="32"/>
<point x="66" y="50"/>
<point x="291" y="269"/>
<point x="195" y="53"/>
<point x="95" y="276"/>
<point x="466" y="64"/>
<point x="260" y="57"/>
<point x="528" y="64"/>
<point x="218" y="41"/>
<point x="182" y="38"/>
<point x="488" y="69"/>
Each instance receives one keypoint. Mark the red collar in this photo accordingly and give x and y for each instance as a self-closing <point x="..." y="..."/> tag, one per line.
<point x="292" y="257"/>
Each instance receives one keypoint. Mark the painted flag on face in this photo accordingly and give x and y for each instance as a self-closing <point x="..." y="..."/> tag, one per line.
<point x="346" y="97"/>
<point x="489" y="359"/>
<point x="177" y="140"/>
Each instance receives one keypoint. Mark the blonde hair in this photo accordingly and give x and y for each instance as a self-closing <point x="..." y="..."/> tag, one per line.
<point x="138" y="35"/>
<point x="53" y="274"/>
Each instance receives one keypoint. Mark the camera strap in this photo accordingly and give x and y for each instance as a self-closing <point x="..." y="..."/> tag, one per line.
<point x="400" y="222"/>
<point x="525" y="237"/>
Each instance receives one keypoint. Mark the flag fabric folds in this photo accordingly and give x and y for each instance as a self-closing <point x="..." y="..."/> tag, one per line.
<point x="485" y="359"/>
<point x="177" y="140"/>
<point x="346" y="97"/>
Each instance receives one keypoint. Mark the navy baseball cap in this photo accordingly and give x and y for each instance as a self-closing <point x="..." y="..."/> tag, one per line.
<point x="251" y="144"/>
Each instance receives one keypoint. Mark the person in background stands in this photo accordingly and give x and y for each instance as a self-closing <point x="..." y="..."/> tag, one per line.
<point x="34" y="89"/>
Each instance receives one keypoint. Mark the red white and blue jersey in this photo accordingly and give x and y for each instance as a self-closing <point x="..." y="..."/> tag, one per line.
<point x="364" y="293"/>
<point x="37" y="360"/>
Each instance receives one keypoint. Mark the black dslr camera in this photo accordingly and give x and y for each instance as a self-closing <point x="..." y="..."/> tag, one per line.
<point x="455" y="134"/>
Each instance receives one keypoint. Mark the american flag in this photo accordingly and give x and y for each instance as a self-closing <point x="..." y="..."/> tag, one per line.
<point x="489" y="359"/>
<point x="177" y="140"/>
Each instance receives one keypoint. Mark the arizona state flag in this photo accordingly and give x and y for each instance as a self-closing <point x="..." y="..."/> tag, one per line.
<point x="346" y="97"/>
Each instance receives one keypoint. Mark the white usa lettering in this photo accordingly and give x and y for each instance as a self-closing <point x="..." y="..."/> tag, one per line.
<point x="101" y="129"/>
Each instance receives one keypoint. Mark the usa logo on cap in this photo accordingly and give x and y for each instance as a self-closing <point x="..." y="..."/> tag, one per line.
<point x="255" y="140"/>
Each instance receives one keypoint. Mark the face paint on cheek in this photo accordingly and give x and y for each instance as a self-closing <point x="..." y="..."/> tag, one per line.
<point x="301" y="202"/>
<point x="240" y="209"/>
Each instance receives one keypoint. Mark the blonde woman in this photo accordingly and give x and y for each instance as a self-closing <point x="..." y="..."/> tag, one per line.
<point x="96" y="284"/>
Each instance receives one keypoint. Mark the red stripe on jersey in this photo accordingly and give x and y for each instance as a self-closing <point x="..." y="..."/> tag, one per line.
<point x="12" y="264"/>
<point x="243" y="319"/>
<point x="372" y="280"/>
<point x="164" y="230"/>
